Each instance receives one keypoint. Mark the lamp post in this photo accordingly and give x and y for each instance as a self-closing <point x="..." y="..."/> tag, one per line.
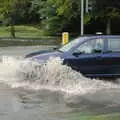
<point x="82" y="17"/>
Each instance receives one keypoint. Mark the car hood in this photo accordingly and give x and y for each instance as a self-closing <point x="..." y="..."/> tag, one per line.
<point x="43" y="56"/>
<point x="37" y="53"/>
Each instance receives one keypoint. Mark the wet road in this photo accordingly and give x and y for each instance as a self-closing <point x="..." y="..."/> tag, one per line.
<point x="66" y="95"/>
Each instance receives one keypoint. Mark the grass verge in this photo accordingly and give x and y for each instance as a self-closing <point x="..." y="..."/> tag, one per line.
<point x="22" y="31"/>
<point x="25" y="35"/>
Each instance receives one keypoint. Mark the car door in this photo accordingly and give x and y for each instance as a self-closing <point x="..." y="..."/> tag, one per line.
<point x="87" y="57"/>
<point x="111" y="57"/>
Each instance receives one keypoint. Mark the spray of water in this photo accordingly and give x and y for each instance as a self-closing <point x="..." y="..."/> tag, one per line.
<point x="52" y="75"/>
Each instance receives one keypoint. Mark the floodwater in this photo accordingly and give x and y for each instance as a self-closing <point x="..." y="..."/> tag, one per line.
<point x="52" y="91"/>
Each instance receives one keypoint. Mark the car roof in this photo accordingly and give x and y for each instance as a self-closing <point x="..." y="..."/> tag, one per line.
<point x="100" y="36"/>
<point x="87" y="38"/>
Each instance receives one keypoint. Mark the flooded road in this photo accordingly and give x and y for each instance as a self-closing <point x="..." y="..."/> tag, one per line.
<point x="55" y="92"/>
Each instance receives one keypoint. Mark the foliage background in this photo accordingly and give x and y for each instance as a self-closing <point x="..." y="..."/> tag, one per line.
<point x="56" y="16"/>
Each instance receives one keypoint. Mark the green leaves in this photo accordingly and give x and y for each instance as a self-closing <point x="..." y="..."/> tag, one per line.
<point x="56" y="15"/>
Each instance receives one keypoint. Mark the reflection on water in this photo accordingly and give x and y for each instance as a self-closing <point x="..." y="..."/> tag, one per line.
<point x="56" y="92"/>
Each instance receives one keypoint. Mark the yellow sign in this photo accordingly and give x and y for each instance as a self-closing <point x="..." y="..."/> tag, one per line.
<point x="65" y="37"/>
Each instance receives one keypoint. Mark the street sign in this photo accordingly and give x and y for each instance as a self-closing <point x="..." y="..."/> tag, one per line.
<point x="65" y="37"/>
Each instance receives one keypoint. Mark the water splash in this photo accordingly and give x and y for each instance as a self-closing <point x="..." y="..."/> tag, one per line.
<point x="52" y="75"/>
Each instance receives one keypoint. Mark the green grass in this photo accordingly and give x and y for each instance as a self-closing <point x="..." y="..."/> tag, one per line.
<point x="112" y="116"/>
<point x="26" y="33"/>
<point x="22" y="31"/>
<point x="101" y="117"/>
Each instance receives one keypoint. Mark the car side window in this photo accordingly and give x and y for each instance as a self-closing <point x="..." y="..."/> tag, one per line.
<point x="91" y="46"/>
<point x="114" y="45"/>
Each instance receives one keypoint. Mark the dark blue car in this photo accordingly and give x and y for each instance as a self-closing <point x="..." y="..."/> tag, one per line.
<point x="93" y="56"/>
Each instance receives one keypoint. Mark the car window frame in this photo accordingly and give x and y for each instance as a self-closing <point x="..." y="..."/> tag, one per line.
<point x="87" y="40"/>
<point x="107" y="46"/>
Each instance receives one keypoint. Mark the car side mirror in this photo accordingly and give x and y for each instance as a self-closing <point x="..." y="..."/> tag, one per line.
<point x="97" y="51"/>
<point x="55" y="48"/>
<point x="76" y="54"/>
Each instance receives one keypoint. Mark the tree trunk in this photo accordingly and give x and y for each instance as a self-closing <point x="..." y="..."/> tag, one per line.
<point x="12" y="31"/>
<point x="108" y="26"/>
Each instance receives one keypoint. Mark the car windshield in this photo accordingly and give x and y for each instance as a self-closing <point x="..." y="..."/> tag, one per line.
<point x="71" y="44"/>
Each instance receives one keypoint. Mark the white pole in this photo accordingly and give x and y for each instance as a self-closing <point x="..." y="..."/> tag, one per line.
<point x="82" y="17"/>
<point x="86" y="8"/>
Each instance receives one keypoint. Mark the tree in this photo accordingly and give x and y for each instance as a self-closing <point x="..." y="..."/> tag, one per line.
<point x="6" y="8"/>
<point x="107" y="10"/>
<point x="58" y="15"/>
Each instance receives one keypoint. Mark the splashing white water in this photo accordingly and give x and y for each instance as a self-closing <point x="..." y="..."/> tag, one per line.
<point x="52" y="75"/>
